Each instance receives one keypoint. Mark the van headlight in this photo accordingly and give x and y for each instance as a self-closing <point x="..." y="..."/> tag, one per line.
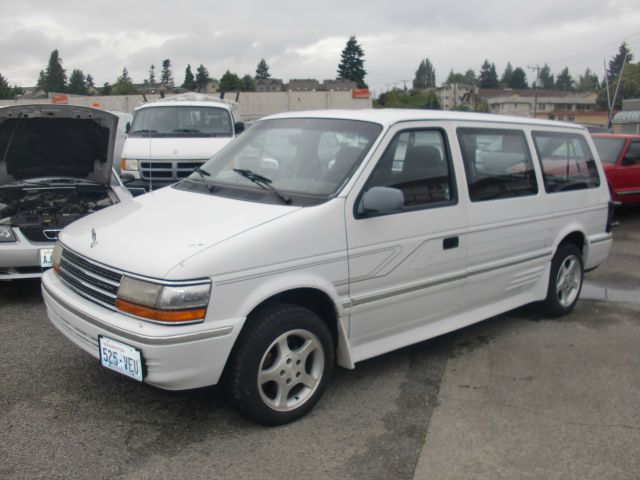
<point x="163" y="303"/>
<point x="6" y="234"/>
<point x="129" y="164"/>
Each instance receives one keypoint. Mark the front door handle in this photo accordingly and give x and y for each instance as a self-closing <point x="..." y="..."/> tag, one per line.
<point x="450" y="242"/>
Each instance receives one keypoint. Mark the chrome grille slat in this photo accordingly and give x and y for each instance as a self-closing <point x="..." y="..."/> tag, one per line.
<point x="95" y="282"/>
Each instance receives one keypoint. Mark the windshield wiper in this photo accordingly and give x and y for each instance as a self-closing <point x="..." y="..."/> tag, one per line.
<point x="203" y="175"/>
<point x="264" y="182"/>
<point x="143" y="131"/>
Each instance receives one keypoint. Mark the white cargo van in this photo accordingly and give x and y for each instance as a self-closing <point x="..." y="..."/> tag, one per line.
<point x="168" y="139"/>
<point x="331" y="237"/>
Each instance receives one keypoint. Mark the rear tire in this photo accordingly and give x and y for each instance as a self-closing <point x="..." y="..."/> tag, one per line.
<point x="565" y="281"/>
<point x="282" y="364"/>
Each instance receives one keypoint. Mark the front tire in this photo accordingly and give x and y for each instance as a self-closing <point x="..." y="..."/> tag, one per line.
<point x="565" y="281"/>
<point x="282" y="364"/>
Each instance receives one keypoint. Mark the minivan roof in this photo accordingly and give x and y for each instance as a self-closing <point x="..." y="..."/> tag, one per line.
<point x="391" y="116"/>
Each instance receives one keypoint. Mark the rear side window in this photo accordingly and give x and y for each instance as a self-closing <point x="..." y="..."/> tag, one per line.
<point x="417" y="162"/>
<point x="497" y="163"/>
<point x="566" y="160"/>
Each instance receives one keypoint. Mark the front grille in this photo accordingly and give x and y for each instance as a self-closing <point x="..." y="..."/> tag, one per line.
<point x="98" y="283"/>
<point x="168" y="169"/>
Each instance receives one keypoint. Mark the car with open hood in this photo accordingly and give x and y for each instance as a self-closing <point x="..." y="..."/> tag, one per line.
<point x="55" y="167"/>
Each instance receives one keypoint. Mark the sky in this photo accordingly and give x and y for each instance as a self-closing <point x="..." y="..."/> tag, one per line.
<point x="301" y="39"/>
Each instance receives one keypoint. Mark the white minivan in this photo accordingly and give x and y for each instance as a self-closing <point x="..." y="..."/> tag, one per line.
<point x="330" y="237"/>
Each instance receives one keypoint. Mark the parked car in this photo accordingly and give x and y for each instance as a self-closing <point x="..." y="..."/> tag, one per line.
<point x="55" y="167"/>
<point x="332" y="236"/>
<point x="620" y="156"/>
<point x="169" y="138"/>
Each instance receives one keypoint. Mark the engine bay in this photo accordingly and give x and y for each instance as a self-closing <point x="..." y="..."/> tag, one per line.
<point x="42" y="212"/>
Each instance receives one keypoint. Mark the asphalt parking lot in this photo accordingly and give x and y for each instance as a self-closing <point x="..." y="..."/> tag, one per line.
<point x="515" y="397"/>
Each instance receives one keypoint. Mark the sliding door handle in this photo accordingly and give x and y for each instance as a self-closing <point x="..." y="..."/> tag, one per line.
<point x="450" y="242"/>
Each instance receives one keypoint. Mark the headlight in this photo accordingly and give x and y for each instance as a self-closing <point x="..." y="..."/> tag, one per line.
<point x="131" y="165"/>
<point x="55" y="258"/>
<point x="163" y="303"/>
<point x="6" y="234"/>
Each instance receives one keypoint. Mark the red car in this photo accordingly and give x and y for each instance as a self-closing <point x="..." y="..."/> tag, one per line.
<point x="620" y="156"/>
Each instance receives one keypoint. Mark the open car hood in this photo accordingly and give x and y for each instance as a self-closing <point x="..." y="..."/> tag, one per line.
<point x="39" y="141"/>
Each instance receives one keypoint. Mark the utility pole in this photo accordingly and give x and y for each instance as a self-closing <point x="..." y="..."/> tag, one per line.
<point x="615" y="95"/>
<point x="535" y="88"/>
<point x="405" y="84"/>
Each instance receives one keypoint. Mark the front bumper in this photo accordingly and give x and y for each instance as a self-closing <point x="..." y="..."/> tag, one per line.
<point x="176" y="357"/>
<point x="21" y="259"/>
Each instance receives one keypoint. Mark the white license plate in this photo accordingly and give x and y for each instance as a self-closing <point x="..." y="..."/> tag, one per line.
<point x="120" y="358"/>
<point x="46" y="257"/>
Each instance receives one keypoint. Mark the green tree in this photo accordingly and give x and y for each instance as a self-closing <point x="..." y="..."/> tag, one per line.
<point x="77" y="83"/>
<point x="107" y="89"/>
<point x="398" y="98"/>
<point x="519" y="79"/>
<point x="89" y="81"/>
<point x="55" y="78"/>
<point x="41" y="81"/>
<point x="230" y="82"/>
<point x="470" y="77"/>
<point x="6" y="91"/>
<point x="629" y="86"/>
<point x="425" y="75"/>
<point x="166" y="76"/>
<point x="615" y="64"/>
<point x="248" y="84"/>
<point x="505" y="81"/>
<point x="202" y="78"/>
<point x="564" y="81"/>
<point x="547" y="80"/>
<point x="454" y="77"/>
<point x="588" y="82"/>
<point x="262" y="70"/>
<point x="351" y="66"/>
<point x="152" y="75"/>
<point x="189" y="80"/>
<point x="488" y="76"/>
<point x="123" y="84"/>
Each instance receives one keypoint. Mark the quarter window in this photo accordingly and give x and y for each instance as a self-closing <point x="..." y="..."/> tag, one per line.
<point x="566" y="160"/>
<point x="497" y="163"/>
<point x="417" y="163"/>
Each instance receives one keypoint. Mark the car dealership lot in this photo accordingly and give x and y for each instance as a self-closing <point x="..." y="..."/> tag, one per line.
<point x="514" y="397"/>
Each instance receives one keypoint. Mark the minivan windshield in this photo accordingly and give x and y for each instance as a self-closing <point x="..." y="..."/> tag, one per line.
<point x="608" y="148"/>
<point x="181" y="121"/>
<point x="283" y="158"/>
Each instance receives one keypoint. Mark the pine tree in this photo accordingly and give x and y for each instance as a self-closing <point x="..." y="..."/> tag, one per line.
<point x="202" y="78"/>
<point x="152" y="75"/>
<point x="106" y="89"/>
<point x="55" y="78"/>
<point x="505" y="81"/>
<point x="488" y="76"/>
<point x="248" y="84"/>
<point x="262" y="70"/>
<point x="588" y="82"/>
<point x="123" y="84"/>
<point x="546" y="78"/>
<point x="89" y="81"/>
<point x="564" y="82"/>
<point x="166" y="76"/>
<point x="518" y="79"/>
<point x="77" y="83"/>
<point x="623" y="56"/>
<point x="189" y="80"/>
<point x="5" y="90"/>
<point x="351" y="66"/>
<point x="426" y="75"/>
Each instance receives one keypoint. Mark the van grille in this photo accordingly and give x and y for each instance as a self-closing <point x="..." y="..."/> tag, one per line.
<point x="98" y="283"/>
<point x="168" y="169"/>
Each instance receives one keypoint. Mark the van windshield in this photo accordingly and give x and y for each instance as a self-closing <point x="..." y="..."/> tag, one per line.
<point x="302" y="157"/>
<point x="181" y="121"/>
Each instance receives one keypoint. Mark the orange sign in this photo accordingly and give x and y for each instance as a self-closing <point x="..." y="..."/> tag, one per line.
<point x="58" y="98"/>
<point x="360" y="93"/>
<point x="95" y="104"/>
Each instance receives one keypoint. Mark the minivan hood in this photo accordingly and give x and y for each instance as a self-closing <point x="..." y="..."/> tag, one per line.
<point x="153" y="233"/>
<point x="173" y="148"/>
<point x="65" y="141"/>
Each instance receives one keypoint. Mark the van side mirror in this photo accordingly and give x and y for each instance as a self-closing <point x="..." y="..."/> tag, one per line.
<point x="239" y="126"/>
<point x="629" y="159"/>
<point x="381" y="200"/>
<point x="127" y="127"/>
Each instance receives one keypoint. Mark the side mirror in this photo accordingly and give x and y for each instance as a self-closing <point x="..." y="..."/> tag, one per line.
<point x="239" y="127"/>
<point x="127" y="127"/>
<point x="127" y="178"/>
<point x="381" y="200"/>
<point x="629" y="159"/>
